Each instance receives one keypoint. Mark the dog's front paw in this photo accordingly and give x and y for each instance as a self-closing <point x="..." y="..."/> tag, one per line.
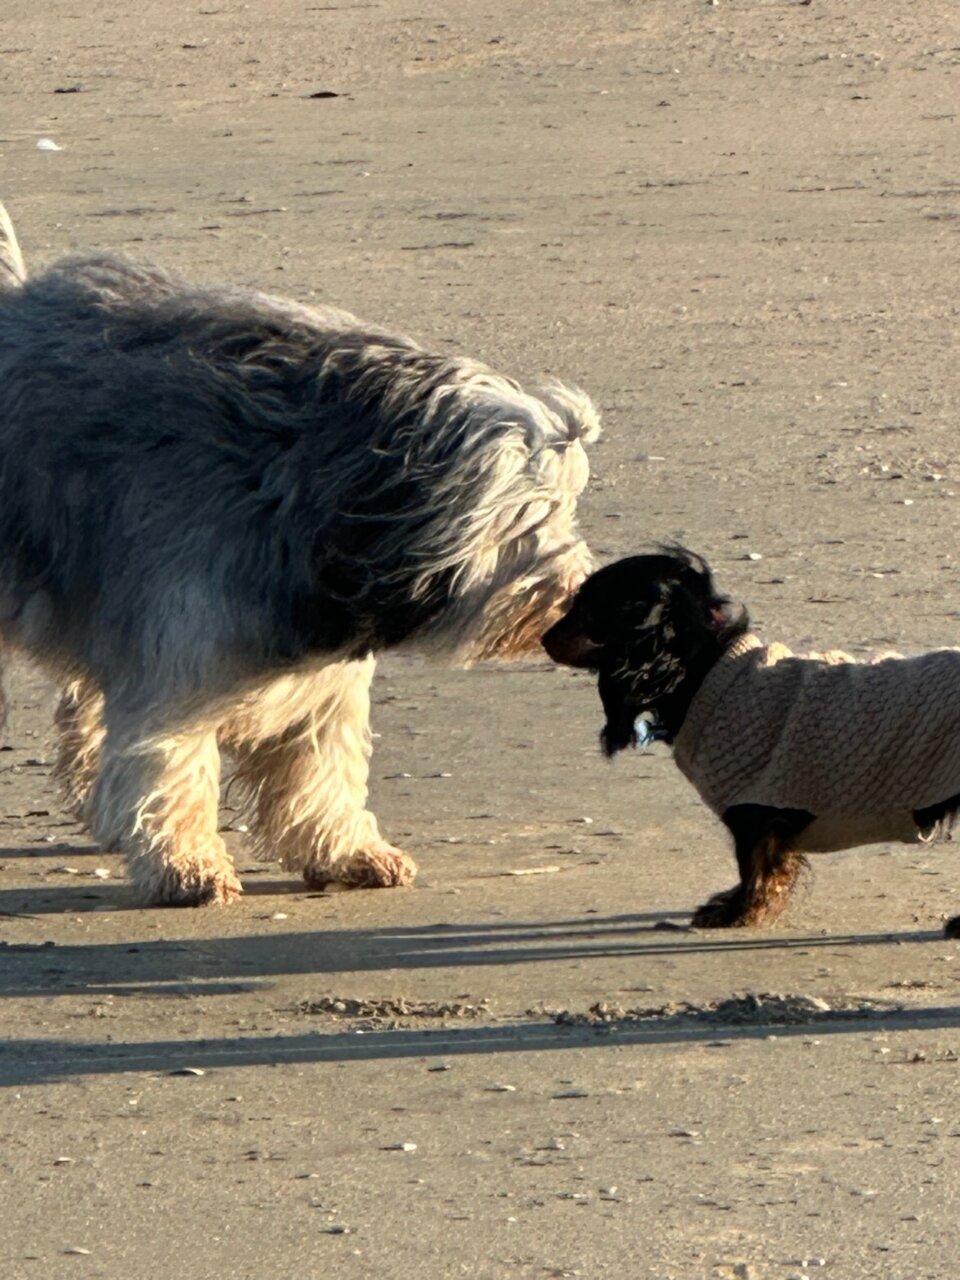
<point x="379" y="867"/>
<point x="738" y="908"/>
<point x="722" y="911"/>
<point x="193" y="888"/>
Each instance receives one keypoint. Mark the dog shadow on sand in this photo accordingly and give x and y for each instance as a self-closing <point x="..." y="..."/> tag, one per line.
<point x="325" y="1033"/>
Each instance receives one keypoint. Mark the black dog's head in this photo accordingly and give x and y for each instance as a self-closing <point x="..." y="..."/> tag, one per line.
<point x="651" y="627"/>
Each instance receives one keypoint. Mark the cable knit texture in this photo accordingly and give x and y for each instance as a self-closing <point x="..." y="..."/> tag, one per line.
<point x="858" y="744"/>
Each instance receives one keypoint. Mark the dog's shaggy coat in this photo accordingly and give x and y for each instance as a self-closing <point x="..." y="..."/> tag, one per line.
<point x="796" y="754"/>
<point x="216" y="508"/>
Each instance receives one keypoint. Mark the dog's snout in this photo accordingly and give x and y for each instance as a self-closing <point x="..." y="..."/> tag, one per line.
<point x="566" y="643"/>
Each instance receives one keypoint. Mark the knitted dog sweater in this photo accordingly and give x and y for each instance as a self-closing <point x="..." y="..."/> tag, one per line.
<point x="860" y="745"/>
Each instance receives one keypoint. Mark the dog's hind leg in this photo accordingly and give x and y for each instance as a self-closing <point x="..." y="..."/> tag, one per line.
<point x="940" y="819"/>
<point x="769" y="867"/>
<point x="79" y="721"/>
<point x="302" y="746"/>
<point x="156" y="801"/>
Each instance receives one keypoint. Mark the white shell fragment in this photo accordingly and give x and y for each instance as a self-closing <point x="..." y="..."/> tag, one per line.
<point x="48" y="144"/>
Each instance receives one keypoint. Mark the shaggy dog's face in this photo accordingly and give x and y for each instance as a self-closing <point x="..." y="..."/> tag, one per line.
<point x="644" y="624"/>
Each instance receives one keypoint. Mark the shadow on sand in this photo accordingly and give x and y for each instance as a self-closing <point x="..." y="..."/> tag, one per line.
<point x="207" y="965"/>
<point x="222" y="965"/>
<point x="28" y="1062"/>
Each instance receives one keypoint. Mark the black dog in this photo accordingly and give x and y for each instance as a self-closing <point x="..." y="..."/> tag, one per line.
<point x="795" y="754"/>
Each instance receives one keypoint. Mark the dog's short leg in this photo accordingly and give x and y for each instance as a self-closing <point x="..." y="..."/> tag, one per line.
<point x="940" y="819"/>
<point x="156" y="802"/>
<point x="79" y="720"/>
<point x="303" y="748"/>
<point x="769" y="867"/>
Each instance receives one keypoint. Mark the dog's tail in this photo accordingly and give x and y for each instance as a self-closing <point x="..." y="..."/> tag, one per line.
<point x="12" y="270"/>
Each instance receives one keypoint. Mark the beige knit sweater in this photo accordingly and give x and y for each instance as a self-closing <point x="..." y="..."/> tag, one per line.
<point x="858" y="744"/>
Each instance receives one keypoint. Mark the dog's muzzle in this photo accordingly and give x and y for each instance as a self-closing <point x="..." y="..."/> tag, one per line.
<point x="567" y="644"/>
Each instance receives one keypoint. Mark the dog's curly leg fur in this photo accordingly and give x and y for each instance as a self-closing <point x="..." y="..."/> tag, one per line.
<point x="156" y="802"/>
<point x="760" y="901"/>
<point x="79" y="720"/>
<point x="769" y="868"/>
<point x="303" y="747"/>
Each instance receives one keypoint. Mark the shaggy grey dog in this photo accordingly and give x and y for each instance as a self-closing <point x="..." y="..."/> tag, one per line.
<point x="216" y="508"/>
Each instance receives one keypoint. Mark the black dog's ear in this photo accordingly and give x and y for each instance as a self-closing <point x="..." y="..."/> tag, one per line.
<point x="703" y="618"/>
<point x="619" y="730"/>
<point x="688" y="615"/>
<point x="636" y="679"/>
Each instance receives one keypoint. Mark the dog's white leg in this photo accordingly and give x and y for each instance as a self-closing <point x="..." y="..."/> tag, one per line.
<point x="303" y="749"/>
<point x="79" y="721"/>
<point x="156" y="801"/>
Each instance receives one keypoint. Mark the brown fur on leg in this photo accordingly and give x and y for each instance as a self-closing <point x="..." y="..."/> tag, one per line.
<point x="769" y="867"/>
<point x="302" y="746"/>
<point x="155" y="801"/>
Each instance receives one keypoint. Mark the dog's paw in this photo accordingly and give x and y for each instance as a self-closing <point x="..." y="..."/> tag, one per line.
<point x="193" y="888"/>
<point x="952" y="928"/>
<point x="379" y="867"/>
<point x="722" y="911"/>
<point x="730" y="910"/>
